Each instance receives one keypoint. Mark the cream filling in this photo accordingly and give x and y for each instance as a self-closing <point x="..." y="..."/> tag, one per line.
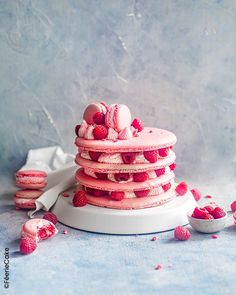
<point x="111" y="176"/>
<point x="116" y="158"/>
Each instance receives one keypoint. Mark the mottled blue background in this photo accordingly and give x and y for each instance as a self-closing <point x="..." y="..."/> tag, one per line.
<point x="172" y="62"/>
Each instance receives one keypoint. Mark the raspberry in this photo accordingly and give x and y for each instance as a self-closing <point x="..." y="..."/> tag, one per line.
<point x="117" y="196"/>
<point x="163" y="152"/>
<point x="121" y="176"/>
<point x="214" y="237"/>
<point x="79" y="199"/>
<point x="102" y="176"/>
<point x="196" y="194"/>
<point x="140" y="177"/>
<point x="160" y="171"/>
<point x="27" y="245"/>
<point x="209" y="208"/>
<point x="218" y="213"/>
<point x="208" y="197"/>
<point x="94" y="155"/>
<point x="151" y="156"/>
<point x="181" y="233"/>
<point x="199" y="213"/>
<point x="142" y="194"/>
<point x="172" y="166"/>
<point x="153" y="239"/>
<point x="233" y="206"/>
<point x="182" y="188"/>
<point x="128" y="158"/>
<point x="65" y="195"/>
<point x="137" y="124"/>
<point x="77" y="127"/>
<point x="166" y="187"/>
<point x="50" y="217"/>
<point x="100" y="132"/>
<point x="96" y="192"/>
<point x="99" y="118"/>
<point x="208" y="216"/>
<point x="158" y="267"/>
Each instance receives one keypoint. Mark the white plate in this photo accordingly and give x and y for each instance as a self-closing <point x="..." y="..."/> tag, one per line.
<point x="111" y="221"/>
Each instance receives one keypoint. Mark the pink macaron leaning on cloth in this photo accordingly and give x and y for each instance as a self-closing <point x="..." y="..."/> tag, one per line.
<point x="118" y="117"/>
<point x="25" y="199"/>
<point x="31" y="179"/>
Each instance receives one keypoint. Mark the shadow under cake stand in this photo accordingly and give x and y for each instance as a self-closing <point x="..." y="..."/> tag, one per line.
<point x="112" y="221"/>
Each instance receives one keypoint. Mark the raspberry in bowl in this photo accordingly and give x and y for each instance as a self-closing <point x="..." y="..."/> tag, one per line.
<point x="207" y="219"/>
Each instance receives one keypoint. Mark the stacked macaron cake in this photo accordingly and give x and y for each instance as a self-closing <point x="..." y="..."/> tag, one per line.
<point x="124" y="165"/>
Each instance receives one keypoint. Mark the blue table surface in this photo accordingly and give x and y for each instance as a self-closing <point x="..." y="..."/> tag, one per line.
<point x="88" y="263"/>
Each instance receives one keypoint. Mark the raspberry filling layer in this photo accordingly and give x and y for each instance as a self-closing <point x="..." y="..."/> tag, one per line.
<point x="129" y="177"/>
<point x="127" y="158"/>
<point x="131" y="194"/>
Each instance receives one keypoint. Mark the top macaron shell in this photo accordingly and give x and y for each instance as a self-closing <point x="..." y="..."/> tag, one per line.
<point x="118" y="117"/>
<point x="148" y="139"/>
<point x="91" y="110"/>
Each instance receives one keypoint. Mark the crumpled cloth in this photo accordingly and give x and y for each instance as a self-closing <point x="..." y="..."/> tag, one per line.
<point x="60" y="168"/>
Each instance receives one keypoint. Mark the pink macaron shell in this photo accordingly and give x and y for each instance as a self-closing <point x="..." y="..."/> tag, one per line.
<point x="39" y="229"/>
<point x="108" y="185"/>
<point x="132" y="203"/>
<point x="119" y="168"/>
<point x="91" y="110"/>
<point x="24" y="185"/>
<point x="25" y="203"/>
<point x="31" y="173"/>
<point x="118" y="117"/>
<point x="28" y="194"/>
<point x="148" y="139"/>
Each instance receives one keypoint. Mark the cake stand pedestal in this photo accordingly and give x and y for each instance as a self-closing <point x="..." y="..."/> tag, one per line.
<point x="110" y="221"/>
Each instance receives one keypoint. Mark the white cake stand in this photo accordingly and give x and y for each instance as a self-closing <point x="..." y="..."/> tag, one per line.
<point x="110" y="221"/>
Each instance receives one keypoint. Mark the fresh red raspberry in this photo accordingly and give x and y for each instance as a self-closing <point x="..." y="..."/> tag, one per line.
<point x="208" y="216"/>
<point x="181" y="233"/>
<point x="117" y="196"/>
<point x="121" y="176"/>
<point x="100" y="193"/>
<point x="142" y="194"/>
<point x="99" y="118"/>
<point x="65" y="195"/>
<point x="182" y="188"/>
<point x="196" y="194"/>
<point x="218" y="213"/>
<point x="27" y="245"/>
<point x="100" y="132"/>
<point x="172" y="166"/>
<point x="199" y="213"/>
<point x="102" y="176"/>
<point x="166" y="187"/>
<point x="163" y="152"/>
<point x="94" y="155"/>
<point x="158" y="267"/>
<point x="137" y="124"/>
<point x="209" y="208"/>
<point x="140" y="177"/>
<point x="79" y="199"/>
<point x="233" y="206"/>
<point x="151" y="156"/>
<point x="214" y="237"/>
<point x="77" y="127"/>
<point x="50" y="217"/>
<point x="128" y="158"/>
<point x="160" y="171"/>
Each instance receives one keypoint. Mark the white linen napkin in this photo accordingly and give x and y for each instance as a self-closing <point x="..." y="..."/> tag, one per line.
<point x="60" y="168"/>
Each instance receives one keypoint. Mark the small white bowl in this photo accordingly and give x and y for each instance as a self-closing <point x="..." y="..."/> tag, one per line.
<point x="205" y="225"/>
